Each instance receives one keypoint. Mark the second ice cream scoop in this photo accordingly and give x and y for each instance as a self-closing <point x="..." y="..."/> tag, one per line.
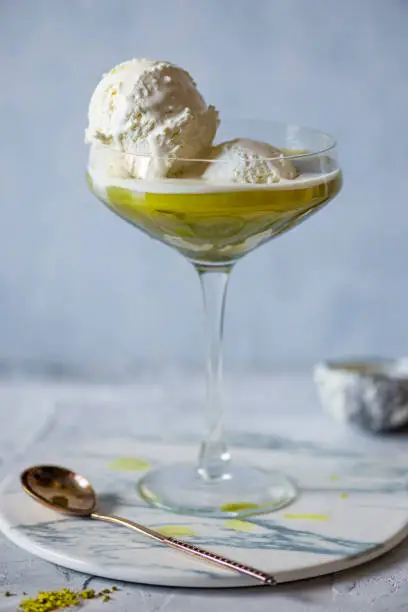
<point x="248" y="161"/>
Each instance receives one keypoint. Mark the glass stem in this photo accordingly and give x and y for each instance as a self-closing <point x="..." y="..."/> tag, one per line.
<point x="214" y="457"/>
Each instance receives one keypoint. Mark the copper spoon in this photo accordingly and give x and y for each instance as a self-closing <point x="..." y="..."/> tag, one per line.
<point x="64" y="491"/>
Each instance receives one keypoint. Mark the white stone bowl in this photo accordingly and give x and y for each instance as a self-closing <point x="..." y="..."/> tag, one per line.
<point x="369" y="393"/>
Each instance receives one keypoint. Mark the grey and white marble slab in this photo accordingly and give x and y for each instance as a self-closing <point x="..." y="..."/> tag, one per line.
<point x="35" y="415"/>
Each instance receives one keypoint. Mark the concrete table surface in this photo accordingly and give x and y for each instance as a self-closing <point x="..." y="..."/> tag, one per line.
<point x="32" y="415"/>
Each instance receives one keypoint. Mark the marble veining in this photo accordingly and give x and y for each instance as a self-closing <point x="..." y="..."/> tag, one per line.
<point x="338" y="517"/>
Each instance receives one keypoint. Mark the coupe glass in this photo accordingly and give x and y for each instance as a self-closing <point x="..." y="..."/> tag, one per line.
<point x="213" y="225"/>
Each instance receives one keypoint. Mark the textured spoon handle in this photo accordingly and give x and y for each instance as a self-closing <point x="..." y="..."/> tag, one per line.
<point x="212" y="557"/>
<point x="196" y="551"/>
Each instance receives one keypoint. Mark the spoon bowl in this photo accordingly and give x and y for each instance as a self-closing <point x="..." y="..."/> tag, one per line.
<point x="60" y="489"/>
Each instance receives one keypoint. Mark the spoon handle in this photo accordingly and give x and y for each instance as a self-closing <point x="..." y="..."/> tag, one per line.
<point x="196" y="551"/>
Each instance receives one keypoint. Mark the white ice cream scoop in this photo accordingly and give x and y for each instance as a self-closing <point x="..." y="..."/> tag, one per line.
<point x="152" y="112"/>
<point x="248" y="161"/>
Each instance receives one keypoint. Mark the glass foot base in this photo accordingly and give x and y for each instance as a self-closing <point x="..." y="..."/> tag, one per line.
<point x="244" y="492"/>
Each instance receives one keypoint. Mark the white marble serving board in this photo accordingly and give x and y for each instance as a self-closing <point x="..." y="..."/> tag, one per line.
<point x="351" y="508"/>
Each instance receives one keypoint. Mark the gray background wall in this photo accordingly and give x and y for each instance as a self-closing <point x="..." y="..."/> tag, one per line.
<point x="79" y="285"/>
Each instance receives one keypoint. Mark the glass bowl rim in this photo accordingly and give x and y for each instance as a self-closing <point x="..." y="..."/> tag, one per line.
<point x="330" y="145"/>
